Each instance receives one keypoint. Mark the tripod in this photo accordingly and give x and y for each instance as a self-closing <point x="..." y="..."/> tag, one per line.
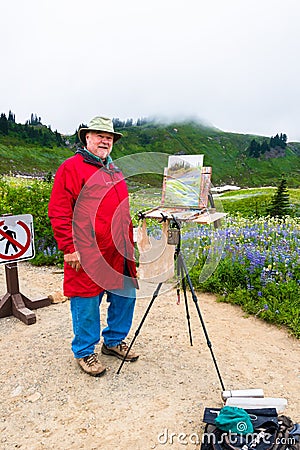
<point x="174" y="237"/>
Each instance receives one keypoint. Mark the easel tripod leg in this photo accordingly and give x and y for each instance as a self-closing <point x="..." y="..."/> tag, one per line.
<point x="183" y="282"/>
<point x="140" y="325"/>
<point x="195" y="299"/>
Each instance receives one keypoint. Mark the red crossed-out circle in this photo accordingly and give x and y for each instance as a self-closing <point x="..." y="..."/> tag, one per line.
<point x="23" y="248"/>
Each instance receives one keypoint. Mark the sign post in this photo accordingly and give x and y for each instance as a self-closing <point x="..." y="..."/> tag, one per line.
<point x="17" y="244"/>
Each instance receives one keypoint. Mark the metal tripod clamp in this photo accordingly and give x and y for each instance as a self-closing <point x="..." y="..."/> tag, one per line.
<point x="141" y="215"/>
<point x="163" y="218"/>
<point x="174" y="233"/>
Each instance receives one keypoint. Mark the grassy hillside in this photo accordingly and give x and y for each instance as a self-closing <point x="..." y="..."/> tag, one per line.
<point x="19" y="157"/>
<point x="255" y="202"/>
<point x="225" y="152"/>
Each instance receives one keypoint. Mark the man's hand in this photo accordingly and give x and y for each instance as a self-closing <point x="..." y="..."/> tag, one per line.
<point x="73" y="259"/>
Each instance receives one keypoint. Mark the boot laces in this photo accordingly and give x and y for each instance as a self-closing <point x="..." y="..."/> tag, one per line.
<point x="91" y="359"/>
<point x="123" y="346"/>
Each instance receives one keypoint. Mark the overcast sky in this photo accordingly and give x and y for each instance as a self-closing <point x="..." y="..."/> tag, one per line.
<point x="234" y="64"/>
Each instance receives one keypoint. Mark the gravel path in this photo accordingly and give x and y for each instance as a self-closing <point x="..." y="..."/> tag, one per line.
<point x="48" y="403"/>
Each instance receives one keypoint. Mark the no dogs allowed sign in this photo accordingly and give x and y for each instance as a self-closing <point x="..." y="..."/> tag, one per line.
<point x="16" y="238"/>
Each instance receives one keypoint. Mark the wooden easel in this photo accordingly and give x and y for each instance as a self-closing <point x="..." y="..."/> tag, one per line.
<point x="205" y="213"/>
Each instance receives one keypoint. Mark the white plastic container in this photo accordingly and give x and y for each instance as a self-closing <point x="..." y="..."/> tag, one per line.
<point x="256" y="403"/>
<point x="243" y="393"/>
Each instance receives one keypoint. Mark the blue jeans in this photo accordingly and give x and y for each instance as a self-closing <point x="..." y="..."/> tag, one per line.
<point x="86" y="319"/>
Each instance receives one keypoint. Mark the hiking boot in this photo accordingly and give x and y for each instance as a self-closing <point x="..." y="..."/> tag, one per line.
<point x="91" y="365"/>
<point x="119" y="352"/>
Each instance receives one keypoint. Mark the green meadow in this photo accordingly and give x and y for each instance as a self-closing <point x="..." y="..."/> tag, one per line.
<point x="259" y="265"/>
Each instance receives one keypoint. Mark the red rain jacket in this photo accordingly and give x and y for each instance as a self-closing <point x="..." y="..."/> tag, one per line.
<point x="89" y="213"/>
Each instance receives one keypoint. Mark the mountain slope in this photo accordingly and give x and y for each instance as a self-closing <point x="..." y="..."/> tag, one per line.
<point x="225" y="152"/>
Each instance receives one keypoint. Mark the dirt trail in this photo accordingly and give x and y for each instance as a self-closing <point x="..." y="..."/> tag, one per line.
<point x="48" y="403"/>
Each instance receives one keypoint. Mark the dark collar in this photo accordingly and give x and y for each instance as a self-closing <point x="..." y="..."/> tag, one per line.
<point x="89" y="159"/>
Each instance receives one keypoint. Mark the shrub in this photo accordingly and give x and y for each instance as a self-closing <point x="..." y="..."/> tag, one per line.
<point x="32" y="197"/>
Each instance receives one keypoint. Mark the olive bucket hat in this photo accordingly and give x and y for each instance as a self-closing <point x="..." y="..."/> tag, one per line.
<point x="99" y="124"/>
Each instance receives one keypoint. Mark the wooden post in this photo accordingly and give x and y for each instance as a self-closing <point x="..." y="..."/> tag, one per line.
<point x="15" y="303"/>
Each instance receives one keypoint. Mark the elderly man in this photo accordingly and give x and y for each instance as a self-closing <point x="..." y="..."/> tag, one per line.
<point x="89" y="213"/>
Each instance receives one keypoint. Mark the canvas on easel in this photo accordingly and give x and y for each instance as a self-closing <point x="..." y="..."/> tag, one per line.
<point x="185" y="190"/>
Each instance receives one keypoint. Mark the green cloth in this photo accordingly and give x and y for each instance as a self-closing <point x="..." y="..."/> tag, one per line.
<point x="235" y="420"/>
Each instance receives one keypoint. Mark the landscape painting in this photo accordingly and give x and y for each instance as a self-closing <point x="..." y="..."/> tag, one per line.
<point x="182" y="181"/>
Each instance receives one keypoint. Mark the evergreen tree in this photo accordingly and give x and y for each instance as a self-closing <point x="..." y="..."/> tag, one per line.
<point x="264" y="147"/>
<point x="35" y="120"/>
<point x="128" y="123"/>
<point x="3" y="124"/>
<point x="58" y="138"/>
<point x="280" y="205"/>
<point x="82" y="125"/>
<point x="254" y="149"/>
<point x="141" y="121"/>
<point x="11" y="117"/>
<point x="284" y="138"/>
<point x="118" y="123"/>
<point x="278" y="141"/>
